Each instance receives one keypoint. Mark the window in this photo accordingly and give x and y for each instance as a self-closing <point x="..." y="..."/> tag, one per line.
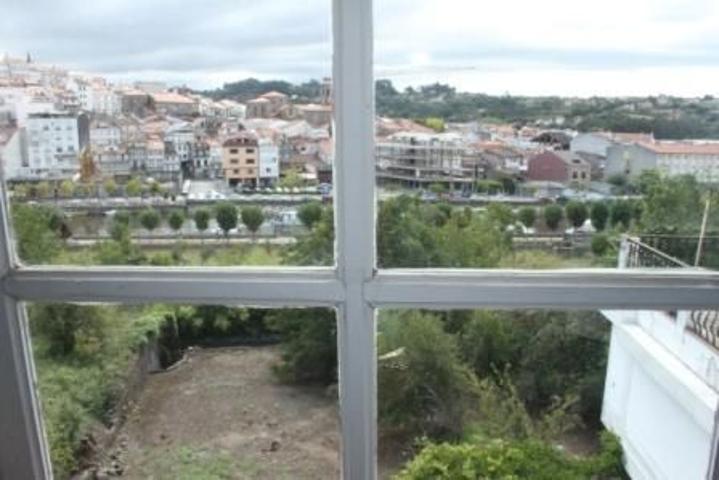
<point x="234" y="150"/>
<point x="353" y="285"/>
<point x="250" y="161"/>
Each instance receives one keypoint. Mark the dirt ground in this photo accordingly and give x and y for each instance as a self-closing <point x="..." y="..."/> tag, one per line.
<point x="221" y="414"/>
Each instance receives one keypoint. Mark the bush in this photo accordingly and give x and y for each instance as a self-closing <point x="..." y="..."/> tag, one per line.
<point x="424" y="388"/>
<point x="309" y="345"/>
<point x="499" y="459"/>
<point x="599" y="215"/>
<point x="576" y="213"/>
<point x="309" y="214"/>
<point x="527" y="215"/>
<point x="600" y="245"/>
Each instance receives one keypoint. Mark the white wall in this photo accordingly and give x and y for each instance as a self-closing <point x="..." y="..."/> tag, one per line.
<point x="662" y="411"/>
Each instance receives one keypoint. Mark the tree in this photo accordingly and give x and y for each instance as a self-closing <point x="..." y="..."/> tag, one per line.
<point x="553" y="216"/>
<point x="37" y="240"/>
<point x="599" y="215"/>
<point x="65" y="325"/>
<point x="133" y="188"/>
<point x="576" y="213"/>
<point x="110" y="187"/>
<point x="309" y="214"/>
<point x="621" y="214"/>
<point x="435" y="123"/>
<point x="155" y="189"/>
<point x="150" y="219"/>
<point x="291" y="178"/>
<point x="202" y="220"/>
<point x="500" y="214"/>
<point x="252" y="218"/>
<point x="527" y="215"/>
<point x="66" y="189"/>
<point x="226" y="216"/>
<point x="176" y="220"/>
<point x="42" y="190"/>
<point x="438" y="188"/>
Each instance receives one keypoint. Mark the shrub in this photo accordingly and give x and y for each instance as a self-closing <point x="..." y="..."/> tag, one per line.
<point x="226" y="216"/>
<point x="499" y="459"/>
<point x="150" y="219"/>
<point x="252" y="218"/>
<point x="599" y="215"/>
<point x="600" y="245"/>
<point x="527" y="215"/>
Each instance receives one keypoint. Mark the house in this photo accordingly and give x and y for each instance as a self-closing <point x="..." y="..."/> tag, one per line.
<point x="269" y="167"/>
<point x="170" y="103"/>
<point x="316" y="115"/>
<point x="240" y="159"/>
<point x="598" y="143"/>
<point x="269" y="105"/>
<point x="564" y="167"/>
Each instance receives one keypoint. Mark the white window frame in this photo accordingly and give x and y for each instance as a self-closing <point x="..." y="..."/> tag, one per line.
<point x="354" y="286"/>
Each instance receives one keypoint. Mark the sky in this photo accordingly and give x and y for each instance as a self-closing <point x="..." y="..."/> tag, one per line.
<point x="520" y="47"/>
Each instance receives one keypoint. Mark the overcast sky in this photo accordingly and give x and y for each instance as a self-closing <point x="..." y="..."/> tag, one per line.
<point x="560" y="47"/>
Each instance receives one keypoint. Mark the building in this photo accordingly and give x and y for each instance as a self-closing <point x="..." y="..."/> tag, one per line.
<point x="269" y="170"/>
<point x="269" y="105"/>
<point x="169" y="103"/>
<point x="103" y="134"/>
<point x="316" y="115"/>
<point x="240" y="159"/>
<point x="556" y="166"/>
<point x="598" y="143"/>
<point x="699" y="159"/>
<point x="661" y="394"/>
<point x="53" y="142"/>
<point x="418" y="160"/>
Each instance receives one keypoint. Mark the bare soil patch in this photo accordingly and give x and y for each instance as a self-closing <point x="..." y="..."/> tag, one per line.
<point x="222" y="414"/>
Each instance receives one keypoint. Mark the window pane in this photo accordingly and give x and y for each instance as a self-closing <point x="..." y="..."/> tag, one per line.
<point x="211" y="165"/>
<point x="535" y="142"/>
<point x="188" y="392"/>
<point x="533" y="394"/>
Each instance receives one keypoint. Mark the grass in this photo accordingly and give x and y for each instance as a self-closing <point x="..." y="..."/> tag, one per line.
<point x="190" y="463"/>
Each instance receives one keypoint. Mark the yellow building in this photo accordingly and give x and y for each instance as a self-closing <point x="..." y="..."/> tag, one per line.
<point x="240" y="159"/>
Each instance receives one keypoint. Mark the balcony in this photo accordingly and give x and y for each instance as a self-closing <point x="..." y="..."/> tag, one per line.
<point x="662" y="384"/>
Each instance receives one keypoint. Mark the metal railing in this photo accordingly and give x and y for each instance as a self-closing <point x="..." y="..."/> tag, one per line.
<point x="636" y="254"/>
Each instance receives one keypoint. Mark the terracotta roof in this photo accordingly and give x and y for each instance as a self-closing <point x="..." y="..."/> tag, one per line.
<point x="171" y="98"/>
<point x="273" y="94"/>
<point x="682" y="148"/>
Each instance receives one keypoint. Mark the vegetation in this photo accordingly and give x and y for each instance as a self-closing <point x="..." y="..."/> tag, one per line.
<point x="176" y="220"/>
<point x="252" y="218"/>
<point x="150" y="219"/>
<point x="202" y="219"/>
<point x="599" y="214"/>
<point x="226" y="216"/>
<point x="309" y="214"/>
<point x="576" y="213"/>
<point x="553" y="216"/>
<point x="527" y="215"/>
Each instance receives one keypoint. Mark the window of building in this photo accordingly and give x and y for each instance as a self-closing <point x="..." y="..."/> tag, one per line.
<point x="234" y="150"/>
<point x="355" y="286"/>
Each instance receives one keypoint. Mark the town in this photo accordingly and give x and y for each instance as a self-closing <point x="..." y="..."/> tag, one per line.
<point x="84" y="134"/>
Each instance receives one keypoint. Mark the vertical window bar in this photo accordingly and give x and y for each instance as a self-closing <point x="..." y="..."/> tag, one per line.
<point x="23" y="451"/>
<point x="354" y="217"/>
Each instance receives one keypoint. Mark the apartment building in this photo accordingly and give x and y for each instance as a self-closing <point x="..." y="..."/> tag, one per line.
<point x="419" y="159"/>
<point x="563" y="167"/>
<point x="269" y="171"/>
<point x="240" y="159"/>
<point x="52" y="143"/>
<point x="697" y="158"/>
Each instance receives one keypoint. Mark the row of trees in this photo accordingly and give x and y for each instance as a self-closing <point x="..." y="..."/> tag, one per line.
<point x="69" y="189"/>
<point x="618" y="214"/>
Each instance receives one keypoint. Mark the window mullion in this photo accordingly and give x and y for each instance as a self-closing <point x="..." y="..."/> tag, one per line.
<point x="354" y="221"/>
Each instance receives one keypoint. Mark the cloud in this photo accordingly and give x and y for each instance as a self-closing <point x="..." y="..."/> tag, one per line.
<point x="524" y="46"/>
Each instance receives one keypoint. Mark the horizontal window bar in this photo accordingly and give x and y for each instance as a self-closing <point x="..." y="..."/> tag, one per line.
<point x="559" y="289"/>
<point x="270" y="287"/>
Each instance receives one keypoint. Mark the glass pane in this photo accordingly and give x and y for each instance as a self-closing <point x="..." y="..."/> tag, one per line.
<point x="536" y="142"/>
<point x="172" y="392"/>
<point x="154" y="149"/>
<point x="545" y="394"/>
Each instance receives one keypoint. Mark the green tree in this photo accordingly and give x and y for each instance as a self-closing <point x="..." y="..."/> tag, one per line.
<point x="110" y="187"/>
<point x="36" y="231"/>
<point x="202" y="220"/>
<point x="309" y="214"/>
<point x="133" y="188"/>
<point x="621" y="214"/>
<point x="155" y="189"/>
<point x="500" y="214"/>
<point x="226" y="216"/>
<point x="599" y="215"/>
<point x="291" y="178"/>
<point x="435" y="123"/>
<point x="438" y="188"/>
<point x="252" y="218"/>
<point x="553" y="215"/>
<point x="527" y="215"/>
<point x="66" y="189"/>
<point x="576" y="213"/>
<point x="176" y="220"/>
<point x="65" y="325"/>
<point x="150" y="219"/>
<point x="42" y="190"/>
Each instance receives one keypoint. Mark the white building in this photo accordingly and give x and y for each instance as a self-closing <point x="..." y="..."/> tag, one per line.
<point x="661" y="392"/>
<point x="269" y="163"/>
<point x="105" y="135"/>
<point x="697" y="158"/>
<point x="54" y="143"/>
